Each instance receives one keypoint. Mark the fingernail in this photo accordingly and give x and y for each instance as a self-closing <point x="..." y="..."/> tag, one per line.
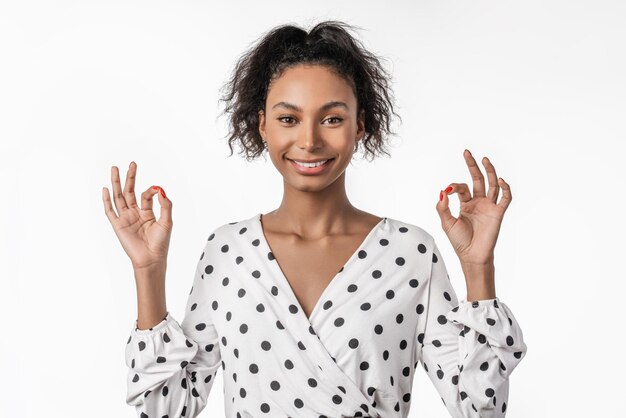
<point x="448" y="189"/>
<point x="155" y="187"/>
<point x="440" y="196"/>
<point x="163" y="193"/>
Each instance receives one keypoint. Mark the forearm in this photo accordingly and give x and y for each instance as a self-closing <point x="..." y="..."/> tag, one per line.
<point x="151" y="300"/>
<point x="480" y="281"/>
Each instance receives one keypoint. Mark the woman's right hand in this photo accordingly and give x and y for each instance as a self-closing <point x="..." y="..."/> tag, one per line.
<point x="145" y="240"/>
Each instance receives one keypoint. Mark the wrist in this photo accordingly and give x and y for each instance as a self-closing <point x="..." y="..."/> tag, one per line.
<point x="478" y="271"/>
<point x="153" y="270"/>
<point x="480" y="281"/>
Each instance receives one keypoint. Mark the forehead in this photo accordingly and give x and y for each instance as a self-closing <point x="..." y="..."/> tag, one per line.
<point x="310" y="86"/>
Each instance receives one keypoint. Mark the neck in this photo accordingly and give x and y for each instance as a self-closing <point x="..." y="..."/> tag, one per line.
<point x="315" y="213"/>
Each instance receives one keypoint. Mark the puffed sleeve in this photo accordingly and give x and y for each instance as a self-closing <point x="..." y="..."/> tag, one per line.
<point x="172" y="367"/>
<point x="468" y="349"/>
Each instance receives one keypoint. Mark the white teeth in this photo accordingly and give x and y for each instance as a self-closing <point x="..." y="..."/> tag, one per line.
<point x="310" y="165"/>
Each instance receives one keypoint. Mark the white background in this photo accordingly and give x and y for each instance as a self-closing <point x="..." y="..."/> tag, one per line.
<point x="537" y="86"/>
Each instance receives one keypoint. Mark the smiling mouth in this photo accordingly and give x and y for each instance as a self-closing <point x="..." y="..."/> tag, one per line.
<point x="310" y="168"/>
<point x="311" y="165"/>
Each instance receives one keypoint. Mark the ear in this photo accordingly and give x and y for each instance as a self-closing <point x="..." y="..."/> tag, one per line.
<point x="262" y="123"/>
<point x="360" y="132"/>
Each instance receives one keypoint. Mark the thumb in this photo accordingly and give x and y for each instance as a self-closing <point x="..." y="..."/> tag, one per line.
<point x="443" y="209"/>
<point x="165" y="216"/>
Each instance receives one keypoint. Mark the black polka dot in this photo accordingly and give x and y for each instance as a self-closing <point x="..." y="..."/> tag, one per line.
<point x="387" y="309"/>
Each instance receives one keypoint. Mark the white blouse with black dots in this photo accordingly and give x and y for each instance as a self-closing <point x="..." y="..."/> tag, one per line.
<point x="389" y="307"/>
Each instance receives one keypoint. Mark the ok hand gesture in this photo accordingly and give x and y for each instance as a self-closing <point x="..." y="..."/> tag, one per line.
<point x="474" y="233"/>
<point x="145" y="240"/>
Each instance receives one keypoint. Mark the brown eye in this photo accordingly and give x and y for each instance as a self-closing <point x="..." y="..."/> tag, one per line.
<point x="285" y="117"/>
<point x="336" y="118"/>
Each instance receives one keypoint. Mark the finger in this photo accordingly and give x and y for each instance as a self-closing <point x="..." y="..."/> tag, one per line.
<point x="165" y="218"/>
<point x="129" y="186"/>
<point x="118" y="198"/>
<point x="108" y="207"/>
<point x="507" y="197"/>
<point x="462" y="189"/>
<point x="443" y="209"/>
<point x="477" y="176"/>
<point x="492" y="178"/>
<point x="146" y="199"/>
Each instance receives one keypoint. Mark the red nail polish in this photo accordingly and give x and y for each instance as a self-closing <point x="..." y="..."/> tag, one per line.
<point x="162" y="193"/>
<point x="155" y="187"/>
<point x="448" y="189"/>
<point x="440" y="196"/>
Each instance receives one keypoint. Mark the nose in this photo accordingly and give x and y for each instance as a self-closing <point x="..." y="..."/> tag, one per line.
<point x="309" y="138"/>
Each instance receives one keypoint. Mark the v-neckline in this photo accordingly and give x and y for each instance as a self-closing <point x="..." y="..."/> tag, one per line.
<point x="280" y="273"/>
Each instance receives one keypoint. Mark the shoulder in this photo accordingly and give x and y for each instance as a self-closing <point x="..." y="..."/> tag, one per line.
<point x="222" y="239"/>
<point x="413" y="243"/>
<point x="411" y="234"/>
<point x="228" y="231"/>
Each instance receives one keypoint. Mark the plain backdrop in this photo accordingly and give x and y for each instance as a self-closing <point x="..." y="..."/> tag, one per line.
<point x="537" y="86"/>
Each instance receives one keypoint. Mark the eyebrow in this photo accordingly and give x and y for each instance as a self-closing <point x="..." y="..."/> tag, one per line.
<point x="329" y="105"/>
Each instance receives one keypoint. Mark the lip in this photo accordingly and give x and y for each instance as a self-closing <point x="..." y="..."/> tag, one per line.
<point x="311" y="170"/>
<point x="309" y="161"/>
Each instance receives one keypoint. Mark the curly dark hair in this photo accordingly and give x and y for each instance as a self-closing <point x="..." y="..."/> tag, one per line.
<point x="328" y="43"/>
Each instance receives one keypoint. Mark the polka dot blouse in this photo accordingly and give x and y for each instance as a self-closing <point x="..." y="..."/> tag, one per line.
<point x="388" y="309"/>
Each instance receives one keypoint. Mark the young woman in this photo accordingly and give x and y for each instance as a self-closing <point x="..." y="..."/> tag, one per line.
<point x="318" y="308"/>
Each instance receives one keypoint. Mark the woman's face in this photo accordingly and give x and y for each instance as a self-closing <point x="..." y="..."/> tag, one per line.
<point x="311" y="116"/>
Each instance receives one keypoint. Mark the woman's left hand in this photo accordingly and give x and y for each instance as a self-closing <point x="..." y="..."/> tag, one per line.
<point x="474" y="233"/>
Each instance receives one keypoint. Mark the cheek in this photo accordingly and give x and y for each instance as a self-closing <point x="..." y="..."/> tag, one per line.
<point x="281" y="163"/>
<point x="277" y="160"/>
